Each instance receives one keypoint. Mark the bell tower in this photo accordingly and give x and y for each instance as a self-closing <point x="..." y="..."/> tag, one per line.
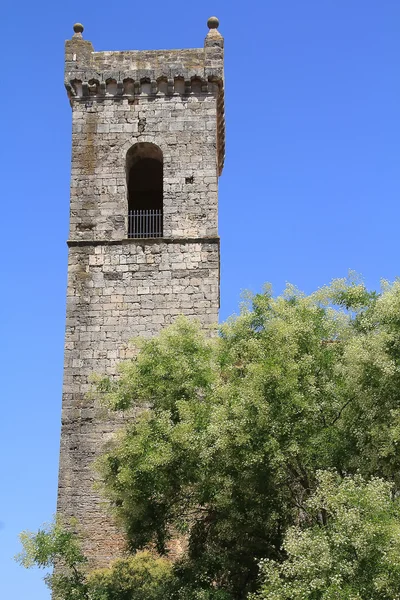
<point x="148" y="144"/>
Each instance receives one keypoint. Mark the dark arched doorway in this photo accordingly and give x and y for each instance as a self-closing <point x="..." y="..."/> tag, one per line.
<point x="144" y="173"/>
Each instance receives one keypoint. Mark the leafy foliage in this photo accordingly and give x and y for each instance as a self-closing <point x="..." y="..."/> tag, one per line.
<point x="233" y="432"/>
<point x="57" y="545"/>
<point x="347" y="549"/>
<point x="142" y="576"/>
<point x="233" y="429"/>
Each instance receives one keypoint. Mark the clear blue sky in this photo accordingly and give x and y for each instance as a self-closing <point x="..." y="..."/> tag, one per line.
<point x="311" y="186"/>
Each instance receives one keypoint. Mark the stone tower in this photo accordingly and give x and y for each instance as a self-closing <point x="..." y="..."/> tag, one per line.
<point x="148" y="141"/>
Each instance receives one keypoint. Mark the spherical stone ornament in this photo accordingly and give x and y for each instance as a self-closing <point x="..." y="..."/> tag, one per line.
<point x="212" y="23"/>
<point x="78" y="28"/>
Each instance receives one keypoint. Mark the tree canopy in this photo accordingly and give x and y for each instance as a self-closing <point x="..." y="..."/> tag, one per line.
<point x="260" y="445"/>
<point x="348" y="547"/>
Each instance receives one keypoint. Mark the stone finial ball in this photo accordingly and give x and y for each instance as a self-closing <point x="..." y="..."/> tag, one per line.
<point x="212" y="23"/>
<point x="78" y="28"/>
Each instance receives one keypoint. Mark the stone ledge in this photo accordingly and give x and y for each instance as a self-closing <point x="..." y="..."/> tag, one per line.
<point x="145" y="241"/>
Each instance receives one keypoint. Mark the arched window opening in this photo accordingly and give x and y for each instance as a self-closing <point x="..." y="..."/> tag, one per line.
<point x="144" y="172"/>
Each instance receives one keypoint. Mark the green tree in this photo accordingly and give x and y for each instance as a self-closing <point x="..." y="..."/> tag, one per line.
<point x="57" y="545"/>
<point x="142" y="576"/>
<point x="232" y="430"/>
<point x="347" y="548"/>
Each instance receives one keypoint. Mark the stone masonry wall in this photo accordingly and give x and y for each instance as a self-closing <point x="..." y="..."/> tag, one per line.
<point x="185" y="130"/>
<point x="116" y="292"/>
<point x="121" y="288"/>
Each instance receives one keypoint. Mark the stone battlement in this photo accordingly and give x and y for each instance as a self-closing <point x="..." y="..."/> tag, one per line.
<point x="185" y="63"/>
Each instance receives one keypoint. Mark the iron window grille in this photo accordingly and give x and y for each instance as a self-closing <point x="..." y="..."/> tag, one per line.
<point x="145" y="224"/>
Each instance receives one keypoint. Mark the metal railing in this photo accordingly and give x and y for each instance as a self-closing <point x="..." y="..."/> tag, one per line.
<point x="145" y="223"/>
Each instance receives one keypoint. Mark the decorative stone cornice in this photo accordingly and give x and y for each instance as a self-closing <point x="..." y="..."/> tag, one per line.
<point x="143" y="241"/>
<point x="91" y="84"/>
